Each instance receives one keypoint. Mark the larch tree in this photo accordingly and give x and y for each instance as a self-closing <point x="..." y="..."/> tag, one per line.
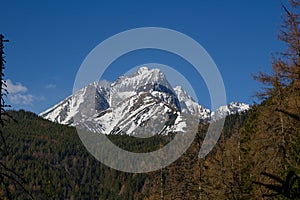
<point x="274" y="146"/>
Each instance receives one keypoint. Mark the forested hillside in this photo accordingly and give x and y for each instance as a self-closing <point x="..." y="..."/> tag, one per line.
<point x="256" y="157"/>
<point x="247" y="163"/>
<point x="55" y="164"/>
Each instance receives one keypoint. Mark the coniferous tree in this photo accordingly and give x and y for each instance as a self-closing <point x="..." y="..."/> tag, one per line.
<point x="273" y="148"/>
<point x="10" y="180"/>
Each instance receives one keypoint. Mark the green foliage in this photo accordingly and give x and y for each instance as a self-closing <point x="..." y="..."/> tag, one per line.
<point x="55" y="164"/>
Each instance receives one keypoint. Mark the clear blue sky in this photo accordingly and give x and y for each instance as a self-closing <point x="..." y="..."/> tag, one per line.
<point x="50" y="39"/>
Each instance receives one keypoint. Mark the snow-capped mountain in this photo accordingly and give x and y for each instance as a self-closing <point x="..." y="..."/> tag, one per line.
<point x="79" y="104"/>
<point x="230" y="109"/>
<point x="188" y="104"/>
<point x="144" y="80"/>
<point x="141" y="104"/>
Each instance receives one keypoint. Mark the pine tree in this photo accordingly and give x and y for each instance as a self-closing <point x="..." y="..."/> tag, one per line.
<point x="10" y="180"/>
<point x="3" y="92"/>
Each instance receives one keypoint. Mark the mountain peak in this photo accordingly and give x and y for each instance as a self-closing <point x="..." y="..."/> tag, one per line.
<point x="182" y="94"/>
<point x="231" y="108"/>
<point x="143" y="69"/>
<point x="104" y="83"/>
<point x="155" y="75"/>
<point x="178" y="88"/>
<point x="142" y="77"/>
<point x="143" y="100"/>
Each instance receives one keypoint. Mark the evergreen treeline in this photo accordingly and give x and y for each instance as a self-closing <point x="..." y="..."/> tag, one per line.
<point x="55" y="164"/>
<point x="256" y="157"/>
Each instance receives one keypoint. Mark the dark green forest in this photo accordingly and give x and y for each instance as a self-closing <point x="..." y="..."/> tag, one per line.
<point x="256" y="157"/>
<point x="55" y="165"/>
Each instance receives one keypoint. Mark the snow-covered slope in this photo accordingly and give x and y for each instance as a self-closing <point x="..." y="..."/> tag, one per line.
<point x="144" y="99"/>
<point x="141" y="104"/>
<point x="79" y="104"/>
<point x="144" y="80"/>
<point x="232" y="108"/>
<point x="188" y="105"/>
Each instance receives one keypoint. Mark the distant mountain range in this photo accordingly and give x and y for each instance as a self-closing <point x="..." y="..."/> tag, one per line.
<point x="132" y="104"/>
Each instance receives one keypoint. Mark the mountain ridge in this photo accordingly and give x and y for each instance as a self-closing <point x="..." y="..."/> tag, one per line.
<point x="130" y="103"/>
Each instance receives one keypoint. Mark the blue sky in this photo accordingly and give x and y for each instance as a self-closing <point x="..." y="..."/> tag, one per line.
<point x="50" y="39"/>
